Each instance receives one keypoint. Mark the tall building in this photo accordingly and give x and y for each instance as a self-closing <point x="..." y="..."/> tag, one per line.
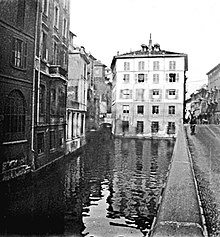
<point x="51" y="62"/>
<point x="76" y="97"/>
<point x="17" y="47"/>
<point x="148" y="92"/>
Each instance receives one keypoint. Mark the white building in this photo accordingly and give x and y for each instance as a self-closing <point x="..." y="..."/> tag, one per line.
<point x="76" y="97"/>
<point x="148" y="92"/>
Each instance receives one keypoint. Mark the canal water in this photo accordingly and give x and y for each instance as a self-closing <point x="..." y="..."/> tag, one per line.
<point x="111" y="189"/>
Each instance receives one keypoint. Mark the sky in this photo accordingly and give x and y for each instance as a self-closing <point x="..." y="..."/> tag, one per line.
<point x="105" y="27"/>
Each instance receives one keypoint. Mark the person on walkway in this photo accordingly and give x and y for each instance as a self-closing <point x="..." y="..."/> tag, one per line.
<point x="193" y="124"/>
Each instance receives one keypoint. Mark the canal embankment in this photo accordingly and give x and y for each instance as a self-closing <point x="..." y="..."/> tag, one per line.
<point x="180" y="212"/>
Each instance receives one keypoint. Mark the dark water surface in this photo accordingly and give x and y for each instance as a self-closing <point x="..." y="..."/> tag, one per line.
<point x="110" y="190"/>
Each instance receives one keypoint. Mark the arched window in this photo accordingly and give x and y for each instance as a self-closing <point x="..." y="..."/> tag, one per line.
<point x="14" y="116"/>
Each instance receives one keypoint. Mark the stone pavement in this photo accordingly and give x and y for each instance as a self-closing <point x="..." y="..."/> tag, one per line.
<point x="179" y="213"/>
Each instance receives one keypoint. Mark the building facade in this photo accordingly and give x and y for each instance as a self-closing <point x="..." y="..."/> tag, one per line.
<point x="50" y="85"/>
<point x="17" y="47"/>
<point x="76" y="97"/>
<point x="213" y="97"/>
<point x="148" y="92"/>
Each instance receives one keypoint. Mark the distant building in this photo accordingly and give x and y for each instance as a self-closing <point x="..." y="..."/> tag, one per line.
<point x="17" y="47"/>
<point x="76" y="97"/>
<point x="148" y="92"/>
<point x="214" y="94"/>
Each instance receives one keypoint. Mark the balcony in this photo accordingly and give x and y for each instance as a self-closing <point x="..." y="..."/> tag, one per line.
<point x="57" y="70"/>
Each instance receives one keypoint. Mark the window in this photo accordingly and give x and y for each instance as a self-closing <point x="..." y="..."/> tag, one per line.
<point x="171" y="128"/>
<point x="172" y="92"/>
<point x="172" y="65"/>
<point x="126" y="66"/>
<point x="44" y="46"/>
<point x="140" y="126"/>
<point x="156" y="78"/>
<point x="55" y="54"/>
<point x="21" y="13"/>
<point x="155" y="92"/>
<point x="40" y="143"/>
<point x="53" y="101"/>
<point x="140" y="77"/>
<point x="52" y="140"/>
<point x="14" y="116"/>
<point x="172" y="77"/>
<point x="154" y="126"/>
<point x="56" y="16"/>
<point x="141" y="66"/>
<point x="156" y="65"/>
<point x="64" y="27"/>
<point x="42" y="100"/>
<point x="126" y="109"/>
<point x="126" y="94"/>
<point x="126" y="78"/>
<point x="171" y="109"/>
<point x="19" y="53"/>
<point x="140" y="94"/>
<point x="61" y="138"/>
<point x="155" y="109"/>
<point x="140" y="109"/>
<point x="125" y="126"/>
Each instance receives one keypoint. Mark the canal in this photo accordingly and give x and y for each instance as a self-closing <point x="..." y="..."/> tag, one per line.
<point x="111" y="189"/>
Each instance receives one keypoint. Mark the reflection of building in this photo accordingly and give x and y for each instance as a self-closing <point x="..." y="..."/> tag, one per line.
<point x="17" y="27"/>
<point x="76" y="97"/>
<point x="148" y="91"/>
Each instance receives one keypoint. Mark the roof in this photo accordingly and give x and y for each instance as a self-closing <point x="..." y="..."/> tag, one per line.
<point x="213" y="69"/>
<point x="150" y="52"/>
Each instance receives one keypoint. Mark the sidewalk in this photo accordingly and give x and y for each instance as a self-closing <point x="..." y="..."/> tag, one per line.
<point x="179" y="212"/>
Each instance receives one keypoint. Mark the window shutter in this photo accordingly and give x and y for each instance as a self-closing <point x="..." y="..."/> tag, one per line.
<point x="177" y="77"/>
<point x="130" y="94"/>
<point x="136" y="78"/>
<point x="160" y="95"/>
<point x="13" y="51"/>
<point x="177" y="94"/>
<point x="25" y="56"/>
<point x="145" y="77"/>
<point x="167" y="77"/>
<point x="121" y="94"/>
<point x="167" y="91"/>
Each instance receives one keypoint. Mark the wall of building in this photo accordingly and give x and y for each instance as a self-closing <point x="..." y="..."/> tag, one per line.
<point x="147" y="99"/>
<point x="17" y="27"/>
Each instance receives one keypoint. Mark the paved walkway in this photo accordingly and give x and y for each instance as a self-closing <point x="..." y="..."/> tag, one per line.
<point x="179" y="212"/>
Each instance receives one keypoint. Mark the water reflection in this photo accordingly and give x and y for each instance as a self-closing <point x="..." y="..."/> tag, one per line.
<point x="112" y="189"/>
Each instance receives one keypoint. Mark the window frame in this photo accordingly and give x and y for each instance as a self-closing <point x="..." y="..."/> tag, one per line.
<point x="155" y="109"/>
<point x="19" y="53"/>
<point x="171" y="109"/>
<point x="140" y="109"/>
<point x="125" y="109"/>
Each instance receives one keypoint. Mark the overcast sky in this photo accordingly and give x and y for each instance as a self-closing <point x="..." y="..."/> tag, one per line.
<point x="104" y="27"/>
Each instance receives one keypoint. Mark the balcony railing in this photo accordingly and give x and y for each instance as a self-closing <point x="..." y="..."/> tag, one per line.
<point x="57" y="70"/>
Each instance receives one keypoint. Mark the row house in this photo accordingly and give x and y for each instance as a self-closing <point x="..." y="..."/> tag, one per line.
<point x="205" y="102"/>
<point x="51" y="67"/>
<point x="33" y="77"/>
<point x="76" y="97"/>
<point x="148" y="92"/>
<point x="213" y="98"/>
<point x="17" y="47"/>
